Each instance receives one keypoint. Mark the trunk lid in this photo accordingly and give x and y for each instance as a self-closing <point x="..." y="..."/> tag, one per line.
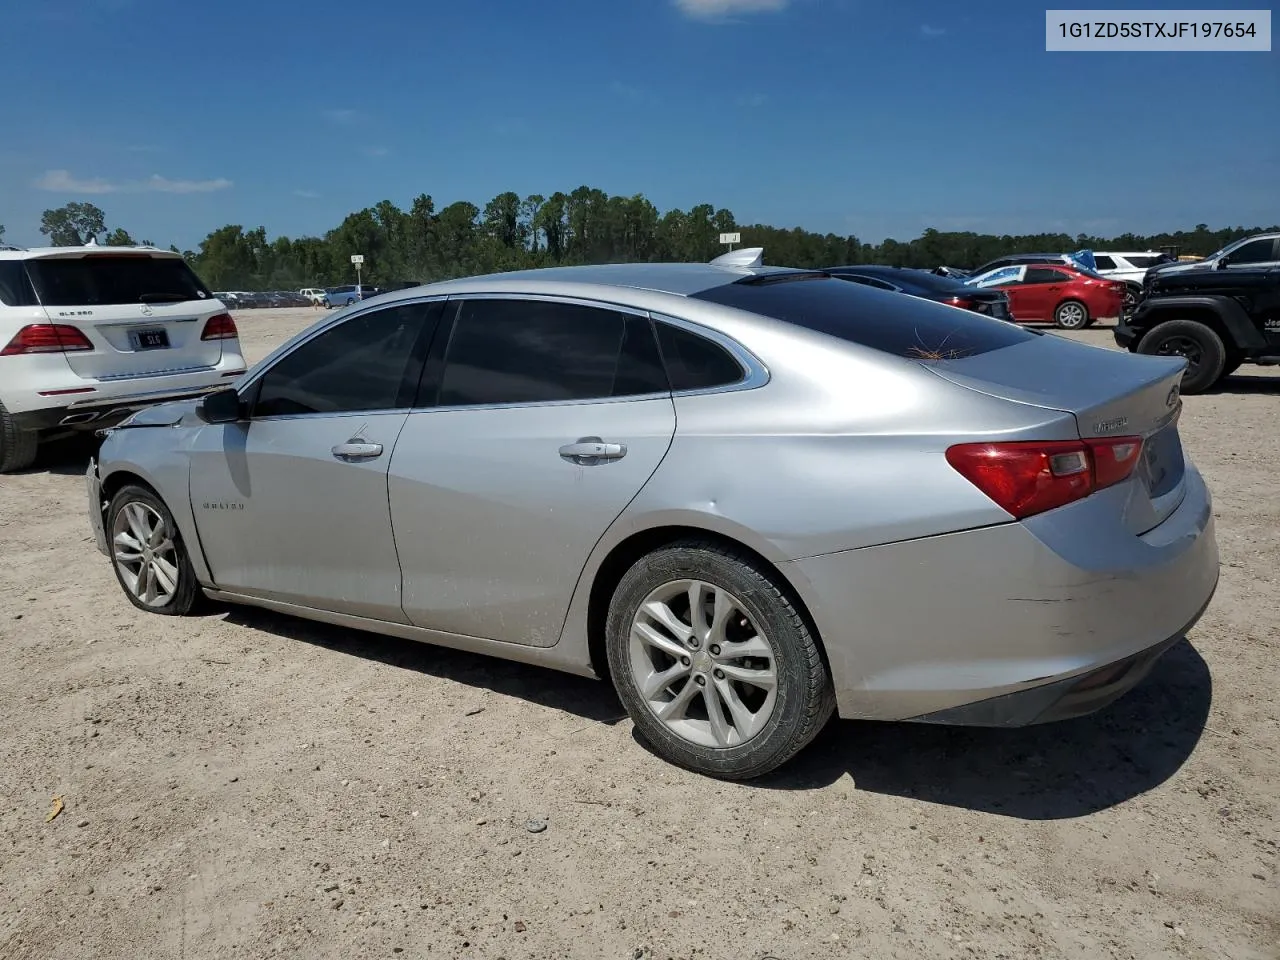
<point x="1110" y="394"/>
<point x="143" y="312"/>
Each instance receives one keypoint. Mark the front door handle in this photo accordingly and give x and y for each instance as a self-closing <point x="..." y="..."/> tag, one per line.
<point x="591" y="450"/>
<point x="353" y="451"/>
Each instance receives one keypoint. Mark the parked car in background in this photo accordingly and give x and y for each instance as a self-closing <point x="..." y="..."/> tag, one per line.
<point x="88" y="335"/>
<point x="1130" y="269"/>
<point x="920" y="283"/>
<point x="1068" y="297"/>
<point x="1259" y="252"/>
<point x="936" y="520"/>
<point x="313" y="294"/>
<point x="344" y="295"/>
<point x="1215" y="319"/>
<point x="1020" y="259"/>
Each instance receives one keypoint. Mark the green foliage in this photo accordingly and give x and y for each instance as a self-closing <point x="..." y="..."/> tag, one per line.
<point x="587" y="225"/>
<point x="119" y="237"/>
<point x="73" y="224"/>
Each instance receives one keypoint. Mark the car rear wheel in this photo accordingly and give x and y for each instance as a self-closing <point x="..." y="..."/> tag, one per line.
<point x="1199" y="345"/>
<point x="17" y="446"/>
<point x="717" y="667"/>
<point x="148" y="554"/>
<point x="1071" y="315"/>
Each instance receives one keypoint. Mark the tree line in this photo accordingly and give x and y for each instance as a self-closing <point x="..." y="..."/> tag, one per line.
<point x="424" y="244"/>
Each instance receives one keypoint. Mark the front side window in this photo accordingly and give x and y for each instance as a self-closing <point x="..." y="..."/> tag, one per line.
<point x="506" y="351"/>
<point x="1255" y="251"/>
<point x="1044" y="275"/>
<point x="370" y="362"/>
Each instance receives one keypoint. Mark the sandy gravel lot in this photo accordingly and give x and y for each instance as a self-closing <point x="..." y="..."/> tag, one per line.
<point x="249" y="785"/>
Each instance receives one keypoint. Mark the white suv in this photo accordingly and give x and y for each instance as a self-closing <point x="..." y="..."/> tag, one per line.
<point x="1129" y="268"/>
<point x="90" y="334"/>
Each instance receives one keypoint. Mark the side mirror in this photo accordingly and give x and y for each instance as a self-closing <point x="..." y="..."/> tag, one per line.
<point x="221" y="407"/>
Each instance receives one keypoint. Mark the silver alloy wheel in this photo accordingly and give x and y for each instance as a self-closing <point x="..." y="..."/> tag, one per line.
<point x="145" y="554"/>
<point x="700" y="664"/>
<point x="1071" y="316"/>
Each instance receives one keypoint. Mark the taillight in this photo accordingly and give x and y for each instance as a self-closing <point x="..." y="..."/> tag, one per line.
<point x="220" y="327"/>
<point x="1027" y="478"/>
<point x="46" y="338"/>
<point x="963" y="303"/>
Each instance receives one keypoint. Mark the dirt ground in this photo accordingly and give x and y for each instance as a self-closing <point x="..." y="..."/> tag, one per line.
<point x="250" y="785"/>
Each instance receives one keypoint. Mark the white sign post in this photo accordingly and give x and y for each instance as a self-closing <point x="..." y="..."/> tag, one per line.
<point x="730" y="239"/>
<point x="358" y="260"/>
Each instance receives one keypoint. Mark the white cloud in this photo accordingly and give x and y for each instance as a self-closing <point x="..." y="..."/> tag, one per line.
<point x="306" y="194"/>
<point x="930" y="31"/>
<point x="164" y="185"/>
<point x="719" y="9"/>
<point x="62" y="181"/>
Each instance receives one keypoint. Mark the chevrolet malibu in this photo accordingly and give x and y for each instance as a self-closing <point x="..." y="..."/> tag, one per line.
<point x="748" y="496"/>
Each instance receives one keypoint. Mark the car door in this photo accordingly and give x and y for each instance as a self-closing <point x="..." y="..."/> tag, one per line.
<point x="542" y="419"/>
<point x="1038" y="293"/>
<point x="291" y="502"/>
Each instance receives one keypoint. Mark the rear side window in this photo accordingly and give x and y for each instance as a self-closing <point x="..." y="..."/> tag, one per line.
<point x="15" y="288"/>
<point x="370" y="362"/>
<point x="1105" y="262"/>
<point x="694" y="362"/>
<point x="101" y="280"/>
<point x="507" y="351"/>
<point x="893" y="324"/>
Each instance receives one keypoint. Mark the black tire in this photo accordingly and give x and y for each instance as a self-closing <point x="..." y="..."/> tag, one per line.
<point x="1071" y="315"/>
<point x="187" y="597"/>
<point x="805" y="699"/>
<point x="17" y="446"/>
<point x="1199" y="345"/>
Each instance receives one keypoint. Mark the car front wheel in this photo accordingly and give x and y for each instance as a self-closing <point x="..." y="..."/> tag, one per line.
<point x="1199" y="345"/>
<point x="148" y="554"/>
<point x="717" y="667"/>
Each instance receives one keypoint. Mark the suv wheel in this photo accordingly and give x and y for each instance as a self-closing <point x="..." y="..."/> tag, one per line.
<point x="717" y="668"/>
<point x="17" y="446"/>
<point x="1071" y="315"/>
<point x="1196" y="343"/>
<point x="148" y="554"/>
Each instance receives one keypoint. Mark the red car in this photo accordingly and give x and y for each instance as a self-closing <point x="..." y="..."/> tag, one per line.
<point x="1055" y="293"/>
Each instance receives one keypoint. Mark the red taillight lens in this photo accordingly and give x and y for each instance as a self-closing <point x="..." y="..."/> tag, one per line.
<point x="963" y="303"/>
<point x="220" y="327"/>
<point x="1029" y="478"/>
<point x="46" y="338"/>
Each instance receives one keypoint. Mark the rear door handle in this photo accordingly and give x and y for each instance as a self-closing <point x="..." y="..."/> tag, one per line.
<point x="353" y="451"/>
<point x="591" y="450"/>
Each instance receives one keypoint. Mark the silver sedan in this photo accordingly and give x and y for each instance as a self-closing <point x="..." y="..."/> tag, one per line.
<point x="748" y="496"/>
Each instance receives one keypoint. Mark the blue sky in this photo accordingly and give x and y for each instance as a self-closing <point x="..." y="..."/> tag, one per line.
<point x="869" y="117"/>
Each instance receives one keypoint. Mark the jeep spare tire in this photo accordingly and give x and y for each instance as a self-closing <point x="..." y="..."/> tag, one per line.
<point x="1196" y="343"/>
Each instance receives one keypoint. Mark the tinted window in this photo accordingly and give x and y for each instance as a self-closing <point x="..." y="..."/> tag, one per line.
<point x="1045" y="275"/>
<point x="694" y="362"/>
<point x="365" y="363"/>
<point x="902" y="326"/>
<point x="1104" y="262"/>
<point x="1149" y="260"/>
<point x="1256" y="251"/>
<point x="532" y="351"/>
<point x="15" y="288"/>
<point x="103" y="279"/>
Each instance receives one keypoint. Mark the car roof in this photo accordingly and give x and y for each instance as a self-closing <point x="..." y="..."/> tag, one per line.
<point x="676" y="279"/>
<point x="44" y="253"/>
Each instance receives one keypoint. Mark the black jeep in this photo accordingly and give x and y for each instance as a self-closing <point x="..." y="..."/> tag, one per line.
<point x="1217" y="319"/>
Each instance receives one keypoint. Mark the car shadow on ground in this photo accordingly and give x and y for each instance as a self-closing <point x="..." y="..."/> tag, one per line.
<point x="64" y="458"/>
<point x="582" y="697"/>
<point x="1051" y="772"/>
<point x="1246" y="384"/>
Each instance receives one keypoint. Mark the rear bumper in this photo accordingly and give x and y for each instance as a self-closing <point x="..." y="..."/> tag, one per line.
<point x="95" y="411"/>
<point x="1057" y="615"/>
<point x="1125" y="335"/>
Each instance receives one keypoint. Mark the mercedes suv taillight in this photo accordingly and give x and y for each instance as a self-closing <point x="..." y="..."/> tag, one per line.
<point x="46" y="338"/>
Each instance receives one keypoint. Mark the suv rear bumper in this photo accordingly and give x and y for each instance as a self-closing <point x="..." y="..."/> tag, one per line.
<point x="97" y="412"/>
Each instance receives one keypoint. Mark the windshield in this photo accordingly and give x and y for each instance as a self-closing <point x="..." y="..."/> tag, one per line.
<point x="106" y="279"/>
